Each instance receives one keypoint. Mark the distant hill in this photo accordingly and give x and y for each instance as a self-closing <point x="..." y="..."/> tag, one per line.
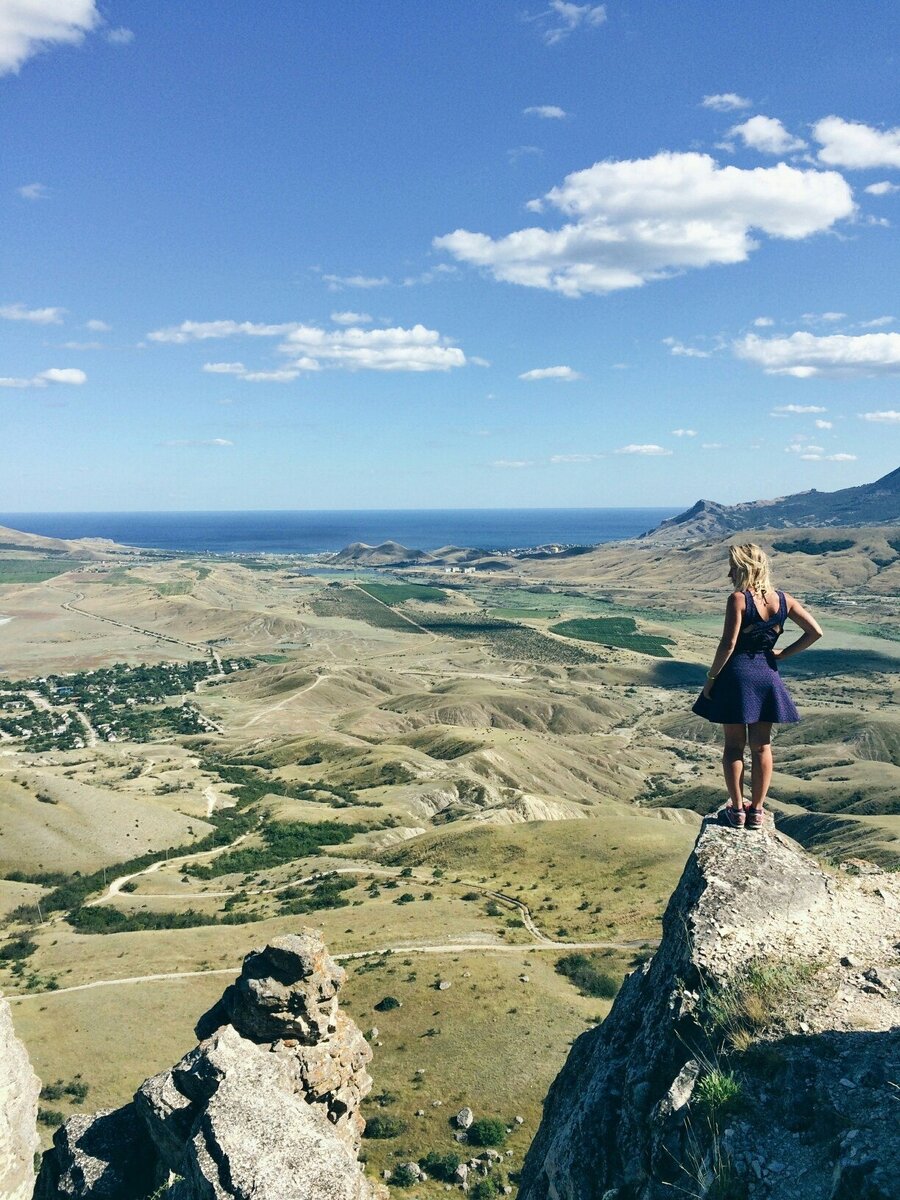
<point x="386" y="554"/>
<point x="875" y="503"/>
<point x="12" y="540"/>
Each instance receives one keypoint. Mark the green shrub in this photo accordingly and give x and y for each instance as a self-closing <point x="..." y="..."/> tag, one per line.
<point x="384" y="1125"/>
<point x="586" y="973"/>
<point x="440" y="1166"/>
<point x="18" y="948"/>
<point x="49" y="1116"/>
<point x="403" y="1175"/>
<point x="387" y="1003"/>
<point x="487" y="1131"/>
<point x="717" y="1093"/>
<point x="484" y="1189"/>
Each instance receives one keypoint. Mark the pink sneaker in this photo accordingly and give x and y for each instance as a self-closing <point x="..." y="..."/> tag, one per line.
<point x="756" y="818"/>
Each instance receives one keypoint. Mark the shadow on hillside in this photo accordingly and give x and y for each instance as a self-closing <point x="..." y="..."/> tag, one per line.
<point x="670" y="673"/>
<point x="840" y="662"/>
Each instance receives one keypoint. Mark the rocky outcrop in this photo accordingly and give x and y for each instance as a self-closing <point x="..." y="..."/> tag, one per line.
<point x="19" y="1088"/>
<point x="757" y="1055"/>
<point x="266" y="1106"/>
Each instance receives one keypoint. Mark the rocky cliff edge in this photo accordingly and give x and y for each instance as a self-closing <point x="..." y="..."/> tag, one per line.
<point x="755" y="1057"/>
<point x="19" y="1088"/>
<point x="266" y="1106"/>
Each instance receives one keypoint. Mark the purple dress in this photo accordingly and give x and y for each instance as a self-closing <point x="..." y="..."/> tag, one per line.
<point x="749" y="688"/>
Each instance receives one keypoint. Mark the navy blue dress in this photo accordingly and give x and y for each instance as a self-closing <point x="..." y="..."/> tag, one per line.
<point x="749" y="688"/>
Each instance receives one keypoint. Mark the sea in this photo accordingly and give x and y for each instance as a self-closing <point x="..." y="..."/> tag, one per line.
<point x="310" y="531"/>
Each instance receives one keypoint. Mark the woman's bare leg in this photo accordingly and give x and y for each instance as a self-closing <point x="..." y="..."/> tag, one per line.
<point x="761" y="762"/>
<point x="733" y="763"/>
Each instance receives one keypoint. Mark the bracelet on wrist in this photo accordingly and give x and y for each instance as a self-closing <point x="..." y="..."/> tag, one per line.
<point x="709" y="675"/>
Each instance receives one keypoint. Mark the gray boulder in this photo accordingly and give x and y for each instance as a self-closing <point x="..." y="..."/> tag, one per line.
<point x="105" y="1156"/>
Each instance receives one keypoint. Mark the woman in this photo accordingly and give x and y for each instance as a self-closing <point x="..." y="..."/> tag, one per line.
<point x="744" y="691"/>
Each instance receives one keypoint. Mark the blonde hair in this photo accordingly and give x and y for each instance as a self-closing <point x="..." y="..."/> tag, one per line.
<point x="751" y="568"/>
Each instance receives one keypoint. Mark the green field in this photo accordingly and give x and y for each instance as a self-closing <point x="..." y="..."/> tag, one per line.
<point x="614" y="631"/>
<point x="33" y="570"/>
<point x="504" y="638"/>
<point x="358" y="605"/>
<point x="398" y="593"/>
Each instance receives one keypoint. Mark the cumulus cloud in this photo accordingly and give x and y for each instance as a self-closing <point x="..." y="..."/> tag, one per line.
<point x="97" y="326"/>
<point x="886" y="417"/>
<point x="684" y="432"/>
<point x="36" y="316"/>
<point x="725" y="102"/>
<point x="855" y="145"/>
<point x="804" y="355"/>
<point x="120" y="36"/>
<point x="647" y="448"/>
<point x="575" y="458"/>
<point x="633" y="221"/>
<point x="198" y="331"/>
<point x="351" y="318"/>
<point x="800" y="448"/>
<point x="30" y="26"/>
<point x="767" y="135"/>
<point x="882" y="189"/>
<point x="310" y="348"/>
<point x="820" y="424"/>
<point x="33" y="191"/>
<point x="565" y="373"/>
<point x="563" y="18"/>
<point x="683" y="351"/>
<point x="799" y="408"/>
<point x="70" y="375"/>
<point x="763" y="322"/>
<point x="550" y="112"/>
<point x="337" y="283"/>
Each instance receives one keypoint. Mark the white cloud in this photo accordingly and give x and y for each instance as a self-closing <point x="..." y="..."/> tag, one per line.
<point x="565" y="373"/>
<point x="575" y="458"/>
<point x="799" y="408"/>
<point x="725" y="102"/>
<point x="820" y="424"/>
<point x="563" y="17"/>
<point x="648" y="448"/>
<point x="196" y="442"/>
<point x="518" y="152"/>
<point x="684" y="432"/>
<point x="804" y="355"/>
<point x="683" y="351"/>
<point x="887" y="417"/>
<point x="550" y="112"/>
<point x="877" y="322"/>
<point x="198" y="331"/>
<point x="82" y="345"/>
<point x="711" y="446"/>
<point x="96" y="326"/>
<point x="512" y="463"/>
<point x="767" y="135"/>
<point x="337" y="283"/>
<point x="70" y="375"/>
<point x="351" y="318"/>
<point x="34" y="191"/>
<point x="638" y="220"/>
<point x="30" y="26"/>
<point x="120" y="36"/>
<point x="763" y="322"/>
<point x="800" y="448"/>
<point x="812" y="456"/>
<point x="36" y="316"/>
<point x="855" y="145"/>
<point x="818" y="318"/>
<point x="882" y="189"/>
<point x="309" y="348"/>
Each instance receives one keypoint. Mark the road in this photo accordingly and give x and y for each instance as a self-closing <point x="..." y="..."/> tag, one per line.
<point x="287" y="700"/>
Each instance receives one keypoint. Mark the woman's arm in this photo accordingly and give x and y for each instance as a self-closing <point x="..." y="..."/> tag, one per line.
<point x="812" y="631"/>
<point x="733" y="612"/>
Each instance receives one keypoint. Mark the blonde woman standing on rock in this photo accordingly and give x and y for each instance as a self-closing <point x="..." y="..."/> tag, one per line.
<point x="744" y="691"/>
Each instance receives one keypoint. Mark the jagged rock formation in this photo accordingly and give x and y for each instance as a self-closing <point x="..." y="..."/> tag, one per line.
<point x="266" y="1106"/>
<point x="19" y="1088"/>
<point x="869" y="504"/>
<point x="756" y="1056"/>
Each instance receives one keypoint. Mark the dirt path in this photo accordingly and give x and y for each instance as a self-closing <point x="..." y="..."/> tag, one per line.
<point x="403" y="616"/>
<point x="115" y="888"/>
<point x="442" y="948"/>
<point x="281" y="703"/>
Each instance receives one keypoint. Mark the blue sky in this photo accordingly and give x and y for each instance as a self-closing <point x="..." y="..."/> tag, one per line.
<point x="310" y="255"/>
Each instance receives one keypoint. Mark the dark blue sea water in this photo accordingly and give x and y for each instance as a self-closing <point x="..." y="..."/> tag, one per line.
<point x="311" y="532"/>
